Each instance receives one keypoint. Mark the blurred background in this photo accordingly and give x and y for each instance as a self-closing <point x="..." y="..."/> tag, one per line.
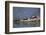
<point x="25" y="13"/>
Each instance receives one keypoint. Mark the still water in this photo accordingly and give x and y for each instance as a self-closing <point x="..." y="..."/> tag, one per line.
<point x="26" y="24"/>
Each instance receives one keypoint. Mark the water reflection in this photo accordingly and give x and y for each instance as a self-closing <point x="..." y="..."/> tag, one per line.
<point x="26" y="24"/>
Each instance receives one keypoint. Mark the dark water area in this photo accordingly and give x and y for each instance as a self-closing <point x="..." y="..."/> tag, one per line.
<point x="26" y="24"/>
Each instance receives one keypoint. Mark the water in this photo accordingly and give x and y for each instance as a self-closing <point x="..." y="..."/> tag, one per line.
<point x="26" y="24"/>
